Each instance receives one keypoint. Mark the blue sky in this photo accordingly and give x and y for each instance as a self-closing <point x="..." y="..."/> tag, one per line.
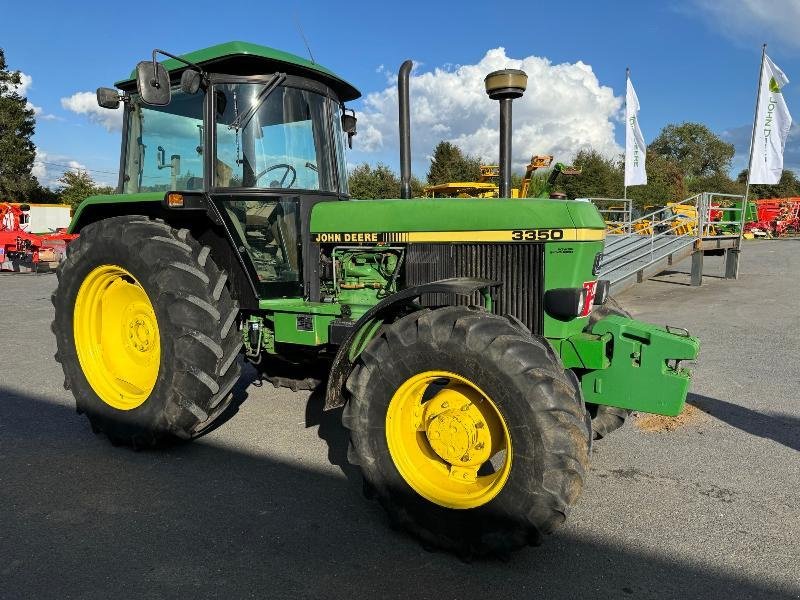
<point x="691" y="60"/>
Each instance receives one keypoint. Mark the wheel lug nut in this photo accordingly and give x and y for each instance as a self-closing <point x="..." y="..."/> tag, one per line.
<point x="479" y="425"/>
<point x="479" y="446"/>
<point x="445" y="404"/>
<point x="465" y="458"/>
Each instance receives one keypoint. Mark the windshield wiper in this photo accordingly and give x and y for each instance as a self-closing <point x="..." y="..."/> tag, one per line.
<point x="241" y="121"/>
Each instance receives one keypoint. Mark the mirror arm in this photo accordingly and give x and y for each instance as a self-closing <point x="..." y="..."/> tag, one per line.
<point x="179" y="59"/>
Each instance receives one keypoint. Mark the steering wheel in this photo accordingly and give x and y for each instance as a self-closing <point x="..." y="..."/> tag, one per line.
<point x="289" y="170"/>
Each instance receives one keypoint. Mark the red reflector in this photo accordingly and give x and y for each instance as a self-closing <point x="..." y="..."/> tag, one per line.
<point x="590" y="287"/>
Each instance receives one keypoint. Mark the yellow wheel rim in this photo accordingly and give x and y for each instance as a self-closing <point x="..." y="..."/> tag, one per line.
<point x="448" y="440"/>
<point x="116" y="337"/>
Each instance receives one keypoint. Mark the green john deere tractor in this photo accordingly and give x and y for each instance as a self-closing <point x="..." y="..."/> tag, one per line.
<point x="468" y="340"/>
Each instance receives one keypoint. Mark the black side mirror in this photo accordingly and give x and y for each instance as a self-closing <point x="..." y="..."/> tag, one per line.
<point x="349" y="122"/>
<point x="152" y="81"/>
<point x="190" y="81"/>
<point x="107" y="98"/>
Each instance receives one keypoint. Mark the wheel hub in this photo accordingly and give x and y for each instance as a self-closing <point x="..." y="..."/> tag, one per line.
<point x="456" y="430"/>
<point x="444" y="433"/>
<point x="141" y="329"/>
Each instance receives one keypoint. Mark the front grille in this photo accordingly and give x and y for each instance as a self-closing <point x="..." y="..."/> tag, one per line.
<point x="520" y="267"/>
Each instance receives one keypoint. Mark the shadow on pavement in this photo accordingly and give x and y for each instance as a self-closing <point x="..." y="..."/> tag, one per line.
<point x="79" y="518"/>
<point x="781" y="428"/>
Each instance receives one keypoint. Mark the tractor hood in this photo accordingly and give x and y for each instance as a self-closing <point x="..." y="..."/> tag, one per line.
<point x="456" y="220"/>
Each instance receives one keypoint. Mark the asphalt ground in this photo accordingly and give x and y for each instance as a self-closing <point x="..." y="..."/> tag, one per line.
<point x="261" y="508"/>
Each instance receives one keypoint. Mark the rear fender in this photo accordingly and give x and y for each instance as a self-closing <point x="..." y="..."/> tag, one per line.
<point x="206" y="226"/>
<point x="367" y="327"/>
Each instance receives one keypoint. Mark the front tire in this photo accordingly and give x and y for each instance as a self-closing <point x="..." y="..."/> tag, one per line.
<point x="468" y="430"/>
<point x="146" y="331"/>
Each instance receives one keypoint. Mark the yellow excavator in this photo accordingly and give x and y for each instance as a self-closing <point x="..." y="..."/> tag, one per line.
<point x="485" y="187"/>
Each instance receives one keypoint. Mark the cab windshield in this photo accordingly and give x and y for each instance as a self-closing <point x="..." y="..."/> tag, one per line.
<point x="279" y="139"/>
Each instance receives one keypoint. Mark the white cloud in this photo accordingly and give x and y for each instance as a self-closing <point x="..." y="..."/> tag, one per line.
<point x="39" y="169"/>
<point x="564" y="109"/>
<point x="25" y="84"/>
<point x="48" y="168"/>
<point x="772" y="21"/>
<point x="85" y="103"/>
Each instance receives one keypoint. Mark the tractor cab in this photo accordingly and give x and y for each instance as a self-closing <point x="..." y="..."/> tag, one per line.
<point x="258" y="132"/>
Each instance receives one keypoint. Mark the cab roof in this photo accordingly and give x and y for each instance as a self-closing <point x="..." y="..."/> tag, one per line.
<point x="244" y="58"/>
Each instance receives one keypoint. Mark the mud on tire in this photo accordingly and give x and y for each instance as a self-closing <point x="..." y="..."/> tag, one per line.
<point x="540" y="403"/>
<point x="196" y="316"/>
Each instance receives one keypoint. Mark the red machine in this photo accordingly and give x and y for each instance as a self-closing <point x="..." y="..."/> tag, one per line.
<point x="776" y="216"/>
<point x="23" y="251"/>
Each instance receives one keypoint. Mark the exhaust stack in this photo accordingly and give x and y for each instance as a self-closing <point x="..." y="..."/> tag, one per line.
<point x="405" y="129"/>
<point x="505" y="86"/>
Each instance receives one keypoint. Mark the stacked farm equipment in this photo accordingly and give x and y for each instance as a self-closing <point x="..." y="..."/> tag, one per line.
<point x="25" y="252"/>
<point x="775" y="217"/>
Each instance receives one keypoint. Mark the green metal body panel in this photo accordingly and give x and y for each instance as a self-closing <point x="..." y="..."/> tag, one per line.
<point x="298" y="305"/>
<point x="585" y="351"/>
<point x="112" y="199"/>
<point x="313" y="332"/>
<point x="568" y="264"/>
<point x="285" y="312"/>
<point x="639" y="376"/>
<point x="452" y="214"/>
<point x="206" y="58"/>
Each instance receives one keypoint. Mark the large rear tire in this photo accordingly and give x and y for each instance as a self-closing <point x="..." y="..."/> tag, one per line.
<point x="146" y="331"/>
<point x="468" y="430"/>
<point x="606" y="419"/>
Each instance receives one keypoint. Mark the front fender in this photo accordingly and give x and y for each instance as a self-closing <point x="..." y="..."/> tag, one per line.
<point x="370" y="322"/>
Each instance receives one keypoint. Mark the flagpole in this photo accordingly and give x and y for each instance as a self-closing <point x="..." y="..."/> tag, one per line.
<point x="752" y="143"/>
<point x="627" y="77"/>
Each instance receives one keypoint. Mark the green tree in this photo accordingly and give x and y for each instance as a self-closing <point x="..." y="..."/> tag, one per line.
<point x="76" y="186"/>
<point x="697" y="150"/>
<point x="17" y="125"/>
<point x="373" y="182"/>
<point x="600" y="177"/>
<point x="450" y="164"/>
<point x="42" y="195"/>
<point x="665" y="183"/>
<point x="717" y="182"/>
<point x="417" y="187"/>
<point x="787" y="187"/>
<point x="378" y="182"/>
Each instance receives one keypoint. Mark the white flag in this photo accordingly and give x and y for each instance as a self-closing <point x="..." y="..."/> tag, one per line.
<point x="634" y="141"/>
<point x="771" y="127"/>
